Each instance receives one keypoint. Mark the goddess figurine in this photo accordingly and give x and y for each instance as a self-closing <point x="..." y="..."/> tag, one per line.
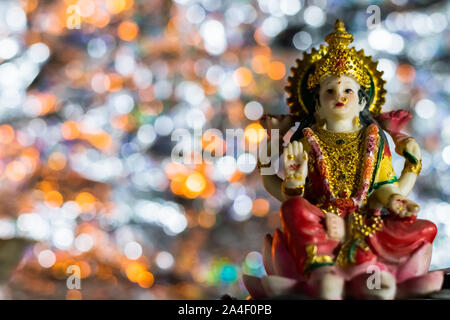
<point x="348" y="228"/>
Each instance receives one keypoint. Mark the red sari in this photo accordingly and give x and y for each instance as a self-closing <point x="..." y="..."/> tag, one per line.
<point x="303" y="221"/>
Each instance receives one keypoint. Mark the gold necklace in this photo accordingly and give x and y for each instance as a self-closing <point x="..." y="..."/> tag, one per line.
<point x="344" y="157"/>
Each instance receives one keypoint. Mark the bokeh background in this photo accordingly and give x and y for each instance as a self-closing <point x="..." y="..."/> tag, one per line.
<point x="91" y="92"/>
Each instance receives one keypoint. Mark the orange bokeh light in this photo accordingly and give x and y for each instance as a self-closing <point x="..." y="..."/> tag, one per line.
<point x="177" y="187"/>
<point x="74" y="294"/>
<point x="260" y="63"/>
<point x="127" y="30"/>
<point x="100" y="140"/>
<point x="29" y="5"/>
<point x="254" y="133"/>
<point x="133" y="271"/>
<point x="196" y="182"/>
<point x="124" y="122"/>
<point x="406" y="73"/>
<point x="209" y="190"/>
<point x="15" y="171"/>
<point x="100" y="18"/>
<point x="260" y="207"/>
<point x="242" y="77"/>
<point x="129" y="4"/>
<point x="277" y="70"/>
<point x="6" y="134"/>
<point x="113" y="82"/>
<point x="115" y="6"/>
<point x="53" y="199"/>
<point x="86" y="201"/>
<point x="146" y="279"/>
<point x="57" y="161"/>
<point x="69" y="130"/>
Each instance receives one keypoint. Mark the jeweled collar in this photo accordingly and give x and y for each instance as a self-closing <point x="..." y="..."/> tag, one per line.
<point x="371" y="148"/>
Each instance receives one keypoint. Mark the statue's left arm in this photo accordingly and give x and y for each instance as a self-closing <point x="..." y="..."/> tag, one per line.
<point x="392" y="192"/>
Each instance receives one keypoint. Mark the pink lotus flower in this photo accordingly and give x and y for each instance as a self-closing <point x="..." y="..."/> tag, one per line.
<point x="413" y="278"/>
<point x="282" y="276"/>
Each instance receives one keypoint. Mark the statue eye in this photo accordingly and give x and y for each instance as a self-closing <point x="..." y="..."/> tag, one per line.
<point x="348" y="90"/>
<point x="330" y="91"/>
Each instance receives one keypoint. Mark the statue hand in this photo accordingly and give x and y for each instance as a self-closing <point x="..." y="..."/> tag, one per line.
<point x="408" y="145"/>
<point x="402" y="206"/>
<point x="413" y="148"/>
<point x="295" y="161"/>
<point x="335" y="226"/>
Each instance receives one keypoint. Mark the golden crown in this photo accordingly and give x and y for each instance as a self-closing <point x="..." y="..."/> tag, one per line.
<point x="340" y="59"/>
<point x="337" y="59"/>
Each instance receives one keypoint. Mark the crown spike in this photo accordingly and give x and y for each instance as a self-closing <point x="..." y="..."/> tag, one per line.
<point x="340" y="59"/>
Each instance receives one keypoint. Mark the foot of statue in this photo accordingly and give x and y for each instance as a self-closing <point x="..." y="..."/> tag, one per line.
<point x="325" y="283"/>
<point x="367" y="286"/>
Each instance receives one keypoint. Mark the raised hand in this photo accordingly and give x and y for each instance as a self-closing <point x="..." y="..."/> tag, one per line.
<point x="402" y="206"/>
<point x="408" y="146"/>
<point x="295" y="164"/>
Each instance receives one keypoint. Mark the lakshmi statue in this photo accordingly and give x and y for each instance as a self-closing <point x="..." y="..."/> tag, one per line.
<point x="348" y="227"/>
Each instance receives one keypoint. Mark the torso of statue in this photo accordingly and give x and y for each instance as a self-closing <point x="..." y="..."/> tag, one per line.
<point x="344" y="157"/>
<point x="341" y="166"/>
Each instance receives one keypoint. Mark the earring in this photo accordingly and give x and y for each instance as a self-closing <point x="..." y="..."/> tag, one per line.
<point x="356" y="121"/>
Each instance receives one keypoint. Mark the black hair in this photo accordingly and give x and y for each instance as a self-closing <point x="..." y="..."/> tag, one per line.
<point x="365" y="117"/>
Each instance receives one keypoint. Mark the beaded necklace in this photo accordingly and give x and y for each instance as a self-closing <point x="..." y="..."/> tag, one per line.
<point x="344" y="158"/>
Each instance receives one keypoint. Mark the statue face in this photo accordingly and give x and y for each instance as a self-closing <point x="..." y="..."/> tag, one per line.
<point x="339" y="98"/>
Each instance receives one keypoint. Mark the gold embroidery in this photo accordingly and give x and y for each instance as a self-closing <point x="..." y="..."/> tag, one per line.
<point x="359" y="230"/>
<point x="414" y="168"/>
<point x="344" y="158"/>
<point x="313" y="258"/>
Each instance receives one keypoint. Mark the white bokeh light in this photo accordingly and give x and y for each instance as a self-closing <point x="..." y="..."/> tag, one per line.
<point x="84" y="242"/>
<point x="290" y="7"/>
<point x="46" y="258"/>
<point x="446" y="155"/>
<point x="8" y="48"/>
<point x="163" y="125"/>
<point x="253" y="110"/>
<point x="246" y="163"/>
<point x="314" y="16"/>
<point x="425" y="109"/>
<point x="133" y="250"/>
<point x="164" y="260"/>
<point x="214" y="37"/>
<point x="302" y="40"/>
<point x="242" y="207"/>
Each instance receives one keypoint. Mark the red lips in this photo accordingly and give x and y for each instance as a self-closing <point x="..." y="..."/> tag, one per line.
<point x="339" y="104"/>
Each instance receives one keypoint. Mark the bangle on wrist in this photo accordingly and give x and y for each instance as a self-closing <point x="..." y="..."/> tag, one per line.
<point x="414" y="168"/>
<point x="297" y="177"/>
<point x="296" y="191"/>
